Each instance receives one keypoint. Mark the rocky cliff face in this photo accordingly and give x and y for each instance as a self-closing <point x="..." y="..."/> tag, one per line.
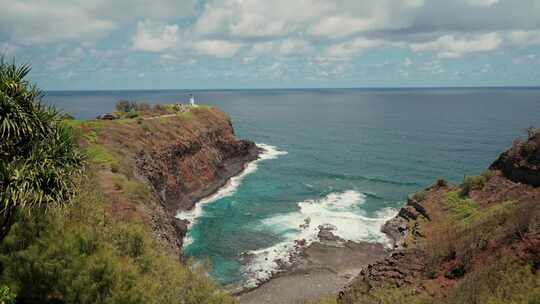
<point x="521" y="163"/>
<point x="154" y="167"/>
<point x="194" y="164"/>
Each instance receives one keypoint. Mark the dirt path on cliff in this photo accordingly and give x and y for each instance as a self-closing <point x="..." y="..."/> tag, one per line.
<point x="162" y="116"/>
<point x="322" y="270"/>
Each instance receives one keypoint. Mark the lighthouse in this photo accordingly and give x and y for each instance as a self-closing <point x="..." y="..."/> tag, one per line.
<point x="191" y="100"/>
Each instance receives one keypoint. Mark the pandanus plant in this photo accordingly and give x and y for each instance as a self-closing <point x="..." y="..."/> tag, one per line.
<point x="39" y="157"/>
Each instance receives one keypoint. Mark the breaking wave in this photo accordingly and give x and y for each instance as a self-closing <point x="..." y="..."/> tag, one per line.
<point x="337" y="210"/>
<point x="268" y="152"/>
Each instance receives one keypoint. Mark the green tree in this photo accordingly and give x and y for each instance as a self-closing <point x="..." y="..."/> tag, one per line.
<point x="39" y="158"/>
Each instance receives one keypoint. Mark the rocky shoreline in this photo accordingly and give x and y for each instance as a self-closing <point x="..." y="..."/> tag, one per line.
<point x="327" y="266"/>
<point x="320" y="268"/>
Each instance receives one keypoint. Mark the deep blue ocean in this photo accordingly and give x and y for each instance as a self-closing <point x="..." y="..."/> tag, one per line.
<point x="345" y="157"/>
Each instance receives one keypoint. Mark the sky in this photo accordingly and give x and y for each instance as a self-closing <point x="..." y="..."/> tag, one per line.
<point x="231" y="44"/>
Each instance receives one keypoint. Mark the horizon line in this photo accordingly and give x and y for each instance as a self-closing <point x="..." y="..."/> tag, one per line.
<point x="305" y="88"/>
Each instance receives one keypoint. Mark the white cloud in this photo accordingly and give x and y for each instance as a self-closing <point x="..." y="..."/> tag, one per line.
<point x="7" y="48"/>
<point x="525" y="38"/>
<point x="481" y="2"/>
<point x="294" y="46"/>
<point x="249" y="59"/>
<point x="152" y="37"/>
<point x="414" y="3"/>
<point x="41" y="22"/>
<point x="281" y="48"/>
<point x="216" y="48"/>
<point x="351" y="48"/>
<point x="66" y="58"/>
<point x="448" y="46"/>
<point x="37" y="22"/>
<point x="342" y="26"/>
<point x="408" y="62"/>
<point x="258" y="18"/>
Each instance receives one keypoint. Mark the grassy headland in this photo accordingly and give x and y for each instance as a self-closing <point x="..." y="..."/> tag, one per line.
<point x="76" y="224"/>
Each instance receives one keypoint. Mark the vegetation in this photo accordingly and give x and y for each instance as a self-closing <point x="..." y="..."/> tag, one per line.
<point x="418" y="196"/>
<point x="39" y="159"/>
<point x="471" y="183"/>
<point x="459" y="207"/>
<point x="479" y="253"/>
<point x="81" y="254"/>
<point x="505" y="281"/>
<point x="78" y="252"/>
<point x="6" y="295"/>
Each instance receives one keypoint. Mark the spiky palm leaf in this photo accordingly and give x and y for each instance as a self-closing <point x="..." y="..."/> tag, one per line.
<point x="39" y="159"/>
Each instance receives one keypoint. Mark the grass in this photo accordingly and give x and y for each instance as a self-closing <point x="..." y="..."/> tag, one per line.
<point x="101" y="156"/>
<point x="459" y="207"/>
<point x="137" y="191"/>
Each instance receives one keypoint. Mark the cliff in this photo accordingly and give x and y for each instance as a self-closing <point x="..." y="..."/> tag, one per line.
<point x="521" y="163"/>
<point x="152" y="167"/>
<point x="478" y="242"/>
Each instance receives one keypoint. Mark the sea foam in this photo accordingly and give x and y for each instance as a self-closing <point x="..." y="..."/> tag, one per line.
<point x="268" y="152"/>
<point x="339" y="209"/>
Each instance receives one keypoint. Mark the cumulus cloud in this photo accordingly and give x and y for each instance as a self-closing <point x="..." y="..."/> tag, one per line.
<point x="448" y="46"/>
<point x="482" y="2"/>
<point x="216" y="48"/>
<point x="525" y="38"/>
<point x="280" y="48"/>
<point x="325" y="33"/>
<point x="41" y="22"/>
<point x="258" y="18"/>
<point x="152" y="37"/>
<point x="408" y="62"/>
<point x="351" y="48"/>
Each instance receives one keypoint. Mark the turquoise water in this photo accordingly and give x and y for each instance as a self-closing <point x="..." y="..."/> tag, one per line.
<point x="351" y="158"/>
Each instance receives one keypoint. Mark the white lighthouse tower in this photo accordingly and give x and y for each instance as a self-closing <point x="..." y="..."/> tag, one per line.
<point x="191" y="100"/>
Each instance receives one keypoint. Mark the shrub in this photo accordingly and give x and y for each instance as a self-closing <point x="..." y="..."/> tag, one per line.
<point x="137" y="191"/>
<point x="505" y="281"/>
<point x="132" y="114"/>
<point x="471" y="183"/>
<point x="459" y="207"/>
<point x="142" y="106"/>
<point x="6" y="295"/>
<point x="385" y="294"/>
<point x="123" y="106"/>
<point x="418" y="196"/>
<point x="441" y="183"/>
<point x="488" y="174"/>
<point x="114" y="167"/>
<point x="440" y="246"/>
<point x="81" y="254"/>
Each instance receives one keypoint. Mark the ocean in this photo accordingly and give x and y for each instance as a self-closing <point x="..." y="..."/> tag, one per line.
<point x="344" y="157"/>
